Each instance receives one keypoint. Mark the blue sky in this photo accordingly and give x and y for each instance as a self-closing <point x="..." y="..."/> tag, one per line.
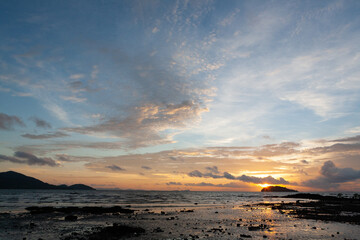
<point x="89" y="85"/>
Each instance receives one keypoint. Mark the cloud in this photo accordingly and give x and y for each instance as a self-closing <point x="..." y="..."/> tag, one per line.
<point x="147" y="124"/>
<point x="243" y="178"/>
<point x="195" y="173"/>
<point x="204" y="184"/>
<point x="146" y="167"/>
<point x="271" y="150"/>
<point x="40" y="123"/>
<point x="77" y="76"/>
<point x="11" y="159"/>
<point x="7" y="122"/>
<point x="335" y="148"/>
<point x="213" y="169"/>
<point x="174" y="183"/>
<point x="115" y="168"/>
<point x="29" y="159"/>
<point x="155" y="30"/>
<point x="67" y="145"/>
<point x="22" y="94"/>
<point x="2" y="89"/>
<point x="348" y="139"/>
<point x="330" y="171"/>
<point x="332" y="176"/>
<point x="355" y="130"/>
<point x="45" y="136"/>
<point x="94" y="72"/>
<point x="79" y="86"/>
<point x="57" y="111"/>
<point x="74" y="99"/>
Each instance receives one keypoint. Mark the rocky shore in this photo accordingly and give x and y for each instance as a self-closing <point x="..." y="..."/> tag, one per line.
<point x="301" y="217"/>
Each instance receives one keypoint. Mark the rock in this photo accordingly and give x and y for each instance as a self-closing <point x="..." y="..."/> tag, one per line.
<point x="245" y="236"/>
<point x="115" y="232"/>
<point x="257" y="228"/>
<point x="71" y="218"/>
<point x="158" y="229"/>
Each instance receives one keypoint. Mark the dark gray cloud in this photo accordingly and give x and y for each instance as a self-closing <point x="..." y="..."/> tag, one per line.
<point x="304" y="161"/>
<point x="174" y="183"/>
<point x="29" y="159"/>
<point x="213" y="169"/>
<point x="330" y="171"/>
<point x="332" y="176"/>
<point x="146" y="167"/>
<point x="195" y="173"/>
<point x="11" y="159"/>
<point x="348" y="139"/>
<point x="115" y="168"/>
<point x="338" y="147"/>
<point x="63" y="158"/>
<point x="300" y="171"/>
<point x="8" y="122"/>
<point x="45" y="136"/>
<point x="79" y="86"/>
<point x="40" y="123"/>
<point x="243" y="178"/>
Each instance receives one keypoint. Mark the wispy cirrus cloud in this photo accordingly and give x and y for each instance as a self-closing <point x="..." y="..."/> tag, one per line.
<point x="77" y="76"/>
<point x="45" y="136"/>
<point x="74" y="99"/>
<point x="146" y="125"/>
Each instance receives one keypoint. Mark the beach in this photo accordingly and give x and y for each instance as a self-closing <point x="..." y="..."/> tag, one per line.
<point x="272" y="217"/>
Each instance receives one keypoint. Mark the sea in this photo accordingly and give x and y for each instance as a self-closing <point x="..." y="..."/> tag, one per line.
<point x="18" y="200"/>
<point x="164" y="215"/>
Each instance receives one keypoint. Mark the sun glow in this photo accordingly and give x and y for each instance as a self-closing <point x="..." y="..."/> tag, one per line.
<point x="264" y="185"/>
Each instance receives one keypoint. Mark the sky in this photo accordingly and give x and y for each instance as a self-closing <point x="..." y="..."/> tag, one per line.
<point x="182" y="95"/>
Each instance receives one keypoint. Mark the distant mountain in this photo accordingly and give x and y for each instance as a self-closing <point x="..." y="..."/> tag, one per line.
<point x="14" y="180"/>
<point x="277" y="189"/>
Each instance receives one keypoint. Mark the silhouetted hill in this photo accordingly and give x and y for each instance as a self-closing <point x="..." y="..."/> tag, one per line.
<point x="14" y="180"/>
<point x="277" y="189"/>
<point x="80" y="187"/>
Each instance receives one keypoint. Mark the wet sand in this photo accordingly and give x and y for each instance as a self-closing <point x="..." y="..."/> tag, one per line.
<point x="264" y="220"/>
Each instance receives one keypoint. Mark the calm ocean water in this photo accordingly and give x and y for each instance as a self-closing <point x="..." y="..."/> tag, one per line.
<point x="18" y="200"/>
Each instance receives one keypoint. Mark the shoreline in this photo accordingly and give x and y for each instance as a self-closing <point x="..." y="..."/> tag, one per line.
<point x="261" y="220"/>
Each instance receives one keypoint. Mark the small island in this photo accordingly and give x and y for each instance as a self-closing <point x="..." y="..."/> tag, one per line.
<point x="277" y="189"/>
